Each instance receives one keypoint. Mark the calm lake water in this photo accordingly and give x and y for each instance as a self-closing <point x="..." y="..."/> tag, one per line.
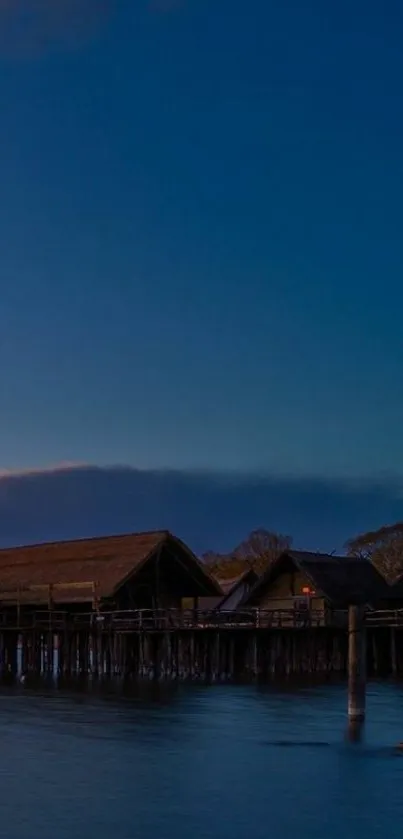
<point x="212" y="762"/>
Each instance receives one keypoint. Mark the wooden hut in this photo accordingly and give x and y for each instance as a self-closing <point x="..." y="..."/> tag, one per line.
<point x="133" y="571"/>
<point x="316" y="582"/>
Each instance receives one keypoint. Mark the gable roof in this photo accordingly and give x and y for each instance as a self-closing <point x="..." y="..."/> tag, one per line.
<point x="342" y="580"/>
<point x="230" y="586"/>
<point x="105" y="563"/>
<point x="227" y="587"/>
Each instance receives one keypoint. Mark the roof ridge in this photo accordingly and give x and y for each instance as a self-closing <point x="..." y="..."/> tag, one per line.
<point x="333" y="555"/>
<point x="82" y="539"/>
<point x="109" y="561"/>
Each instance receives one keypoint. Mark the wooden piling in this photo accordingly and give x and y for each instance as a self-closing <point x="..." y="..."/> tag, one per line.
<point x="255" y="656"/>
<point x="213" y="651"/>
<point x="2" y="661"/>
<point x="66" y="658"/>
<point x="49" y="652"/>
<point x="393" y="650"/>
<point x="99" y="653"/>
<point x="191" y="653"/>
<point x="109" y="656"/>
<point x="356" y="663"/>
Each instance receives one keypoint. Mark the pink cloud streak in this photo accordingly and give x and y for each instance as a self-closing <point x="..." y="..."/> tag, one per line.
<point x="63" y="466"/>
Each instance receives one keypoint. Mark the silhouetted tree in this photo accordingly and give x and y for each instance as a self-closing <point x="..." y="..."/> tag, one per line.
<point x="262" y="547"/>
<point x="256" y="551"/>
<point x="383" y="547"/>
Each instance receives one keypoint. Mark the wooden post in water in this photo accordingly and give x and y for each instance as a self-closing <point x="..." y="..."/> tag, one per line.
<point x="393" y="650"/>
<point x="356" y="663"/>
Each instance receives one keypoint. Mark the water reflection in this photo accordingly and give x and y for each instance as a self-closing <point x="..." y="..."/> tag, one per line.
<point x="355" y="731"/>
<point x="200" y="762"/>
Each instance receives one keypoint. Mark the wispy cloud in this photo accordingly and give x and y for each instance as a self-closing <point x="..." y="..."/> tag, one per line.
<point x="207" y="510"/>
<point x="62" y="466"/>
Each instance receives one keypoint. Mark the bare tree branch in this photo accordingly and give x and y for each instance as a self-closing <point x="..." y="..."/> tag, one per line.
<point x="383" y="547"/>
<point x="257" y="551"/>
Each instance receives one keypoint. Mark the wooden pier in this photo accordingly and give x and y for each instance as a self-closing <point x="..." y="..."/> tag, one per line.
<point x="179" y="645"/>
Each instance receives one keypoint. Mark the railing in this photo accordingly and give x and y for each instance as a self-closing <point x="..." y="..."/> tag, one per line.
<point x="170" y="619"/>
<point x="42" y="620"/>
<point x="138" y="620"/>
<point x="385" y="617"/>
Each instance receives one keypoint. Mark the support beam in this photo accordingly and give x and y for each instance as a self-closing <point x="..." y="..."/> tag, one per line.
<point x="356" y="663"/>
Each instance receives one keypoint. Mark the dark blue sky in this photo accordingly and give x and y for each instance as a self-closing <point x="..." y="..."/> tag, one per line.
<point x="201" y="235"/>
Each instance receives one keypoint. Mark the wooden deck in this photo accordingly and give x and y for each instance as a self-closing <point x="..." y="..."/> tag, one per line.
<point x="186" y="644"/>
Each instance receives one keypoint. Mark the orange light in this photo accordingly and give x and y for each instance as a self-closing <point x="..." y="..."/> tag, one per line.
<point x="306" y="590"/>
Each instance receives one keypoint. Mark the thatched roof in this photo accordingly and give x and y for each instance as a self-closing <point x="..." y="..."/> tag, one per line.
<point x="342" y="580"/>
<point x="78" y="568"/>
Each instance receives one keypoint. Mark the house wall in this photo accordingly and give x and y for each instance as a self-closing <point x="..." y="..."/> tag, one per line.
<point x="282" y="592"/>
<point x="150" y="589"/>
<point x="147" y="597"/>
<point x="204" y="604"/>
